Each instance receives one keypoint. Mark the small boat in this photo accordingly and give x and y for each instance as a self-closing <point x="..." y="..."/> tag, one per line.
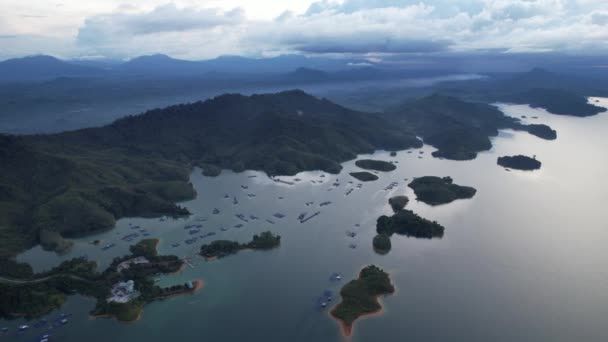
<point x="23" y="327"/>
<point x="175" y="245"/>
<point x="223" y="229"/>
<point x="226" y="196"/>
<point x="216" y="211"/>
<point x="245" y="187"/>
<point x="4" y="330"/>
<point x="240" y="225"/>
<point x="235" y="201"/>
<point x="64" y="321"/>
<point x="323" y="304"/>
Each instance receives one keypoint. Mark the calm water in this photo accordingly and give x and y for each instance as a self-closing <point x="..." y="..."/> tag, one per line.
<point x="524" y="260"/>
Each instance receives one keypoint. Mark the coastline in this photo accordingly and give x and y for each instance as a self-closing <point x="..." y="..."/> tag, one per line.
<point x="198" y="285"/>
<point x="347" y="329"/>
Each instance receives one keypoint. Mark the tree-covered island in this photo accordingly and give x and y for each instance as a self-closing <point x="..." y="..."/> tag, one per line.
<point x="364" y="176"/>
<point x="223" y="248"/>
<point x="360" y="297"/>
<point x="519" y="162"/>
<point x="375" y="165"/>
<point x="439" y="190"/>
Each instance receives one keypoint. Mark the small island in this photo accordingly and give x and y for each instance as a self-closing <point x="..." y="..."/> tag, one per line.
<point x="519" y="162"/>
<point x="398" y="202"/>
<point x="542" y="131"/>
<point x="375" y="165"/>
<point x="382" y="244"/>
<point x="360" y="297"/>
<point x="408" y="223"/>
<point x="121" y="291"/>
<point x="223" y="248"/>
<point x="436" y="190"/>
<point x="364" y="176"/>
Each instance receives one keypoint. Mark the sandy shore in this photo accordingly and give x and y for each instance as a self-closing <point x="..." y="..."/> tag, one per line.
<point x="347" y="329"/>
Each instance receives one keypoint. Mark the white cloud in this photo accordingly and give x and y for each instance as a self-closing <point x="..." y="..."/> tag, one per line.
<point x="187" y="29"/>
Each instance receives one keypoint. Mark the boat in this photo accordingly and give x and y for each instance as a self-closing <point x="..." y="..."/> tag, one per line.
<point x="4" y="330"/>
<point x="64" y="321"/>
<point x="226" y="196"/>
<point x="245" y="187"/>
<point x="270" y="221"/>
<point x="235" y="201"/>
<point x="310" y="217"/>
<point x="23" y="327"/>
<point x="240" y="225"/>
<point x="301" y="216"/>
<point x="216" y="211"/>
<point x="223" y="229"/>
<point x="108" y="246"/>
<point x="253" y="217"/>
<point x="325" y="203"/>
<point x="175" y="245"/>
<point x="279" y="215"/>
<point x="194" y="231"/>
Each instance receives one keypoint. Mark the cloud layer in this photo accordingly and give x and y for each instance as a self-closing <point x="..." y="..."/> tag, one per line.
<point x="354" y="27"/>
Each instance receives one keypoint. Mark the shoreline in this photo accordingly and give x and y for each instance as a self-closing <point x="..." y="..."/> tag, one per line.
<point x="347" y="329"/>
<point x="198" y="285"/>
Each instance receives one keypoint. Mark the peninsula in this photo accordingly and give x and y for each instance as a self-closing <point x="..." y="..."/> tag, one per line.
<point x="121" y="291"/>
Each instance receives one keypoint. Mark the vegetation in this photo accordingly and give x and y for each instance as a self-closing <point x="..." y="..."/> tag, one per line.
<point x="435" y="190"/>
<point x="542" y="131"/>
<point x="375" y="165"/>
<point x="406" y="222"/>
<point x="41" y="293"/>
<point x="364" y="176"/>
<point x="398" y="202"/>
<point x="360" y="296"/>
<point x="223" y="248"/>
<point x="519" y="162"/>
<point x="79" y="182"/>
<point x="458" y="129"/>
<point x="382" y="243"/>
<point x="557" y="101"/>
<point x="145" y="248"/>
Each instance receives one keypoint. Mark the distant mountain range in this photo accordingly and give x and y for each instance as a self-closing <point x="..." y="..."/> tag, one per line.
<point x="47" y="67"/>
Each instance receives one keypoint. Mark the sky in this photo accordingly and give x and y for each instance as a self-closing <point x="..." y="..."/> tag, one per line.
<point x="204" y="29"/>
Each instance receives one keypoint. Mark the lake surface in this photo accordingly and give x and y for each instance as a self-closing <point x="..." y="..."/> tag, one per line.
<point x="524" y="260"/>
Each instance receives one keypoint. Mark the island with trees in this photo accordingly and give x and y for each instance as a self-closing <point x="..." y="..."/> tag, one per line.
<point x="408" y="223"/>
<point x="364" y="176"/>
<point x="542" y="131"/>
<point x="360" y="297"/>
<point x="121" y="291"/>
<point x="223" y="248"/>
<point x="375" y="165"/>
<point x="439" y="190"/>
<point x="382" y="243"/>
<point x="397" y="203"/>
<point x="519" y="162"/>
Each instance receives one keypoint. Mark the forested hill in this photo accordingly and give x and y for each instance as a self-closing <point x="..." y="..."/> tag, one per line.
<point x="458" y="129"/>
<point x="82" y="181"/>
<point x="282" y="133"/>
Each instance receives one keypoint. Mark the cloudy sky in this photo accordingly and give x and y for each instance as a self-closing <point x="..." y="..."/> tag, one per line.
<point x="202" y="29"/>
